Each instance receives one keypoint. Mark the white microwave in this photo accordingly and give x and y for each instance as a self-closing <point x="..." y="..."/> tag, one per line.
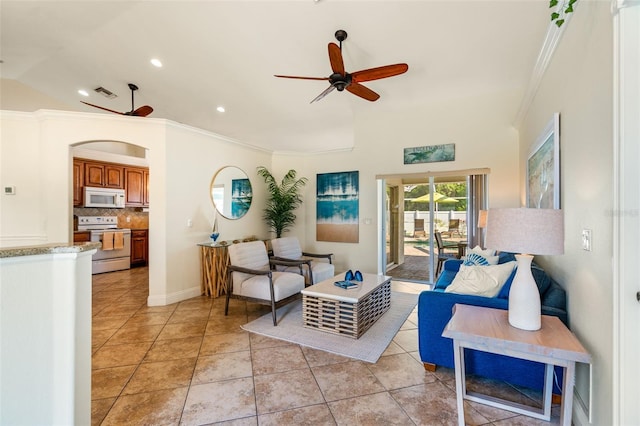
<point x="108" y="198"/>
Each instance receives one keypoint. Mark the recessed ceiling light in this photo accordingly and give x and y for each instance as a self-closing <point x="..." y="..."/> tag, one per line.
<point x="156" y="63"/>
<point x="220" y="109"/>
<point x="83" y="92"/>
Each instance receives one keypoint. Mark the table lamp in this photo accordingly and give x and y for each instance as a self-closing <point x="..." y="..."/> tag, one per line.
<point x="529" y="232"/>
<point x="482" y="224"/>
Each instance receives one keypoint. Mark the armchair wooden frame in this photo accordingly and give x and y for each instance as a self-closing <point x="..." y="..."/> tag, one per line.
<point x="274" y="305"/>
<point x="306" y="262"/>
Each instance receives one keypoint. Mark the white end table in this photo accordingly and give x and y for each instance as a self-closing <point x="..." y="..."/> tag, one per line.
<point x="488" y="330"/>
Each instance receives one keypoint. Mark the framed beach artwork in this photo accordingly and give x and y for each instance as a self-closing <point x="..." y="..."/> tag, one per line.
<point x="337" y="209"/>
<point x="543" y="168"/>
<point x="430" y="154"/>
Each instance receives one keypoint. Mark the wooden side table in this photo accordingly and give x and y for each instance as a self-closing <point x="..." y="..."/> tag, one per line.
<point x="214" y="259"/>
<point x="488" y="330"/>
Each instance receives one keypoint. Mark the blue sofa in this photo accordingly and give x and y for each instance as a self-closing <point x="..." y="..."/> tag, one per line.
<point x="434" y="312"/>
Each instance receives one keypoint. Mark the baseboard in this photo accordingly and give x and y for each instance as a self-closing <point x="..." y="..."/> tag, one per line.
<point x="168" y="299"/>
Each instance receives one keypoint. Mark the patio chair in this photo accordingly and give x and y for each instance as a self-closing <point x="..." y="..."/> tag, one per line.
<point x="442" y="254"/>
<point x="454" y="228"/>
<point x="418" y="228"/>
<point x="288" y="249"/>
<point x="250" y="277"/>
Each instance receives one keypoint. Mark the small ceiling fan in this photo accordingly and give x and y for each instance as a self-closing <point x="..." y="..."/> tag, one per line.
<point x="340" y="79"/>
<point x="143" y="111"/>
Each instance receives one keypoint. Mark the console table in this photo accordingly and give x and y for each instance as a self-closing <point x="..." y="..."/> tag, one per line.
<point x="214" y="258"/>
<point x="488" y="330"/>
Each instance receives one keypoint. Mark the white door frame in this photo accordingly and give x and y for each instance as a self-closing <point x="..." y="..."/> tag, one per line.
<point x="626" y="217"/>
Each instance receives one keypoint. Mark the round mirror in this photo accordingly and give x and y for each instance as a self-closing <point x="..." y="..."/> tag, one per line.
<point x="231" y="192"/>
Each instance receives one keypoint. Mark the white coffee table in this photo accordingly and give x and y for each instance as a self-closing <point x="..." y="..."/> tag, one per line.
<point x="348" y="312"/>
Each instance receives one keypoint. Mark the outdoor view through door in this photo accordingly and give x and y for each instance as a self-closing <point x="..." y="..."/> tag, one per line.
<point x="439" y="205"/>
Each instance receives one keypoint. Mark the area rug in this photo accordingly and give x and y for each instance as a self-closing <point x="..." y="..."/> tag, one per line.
<point x="367" y="348"/>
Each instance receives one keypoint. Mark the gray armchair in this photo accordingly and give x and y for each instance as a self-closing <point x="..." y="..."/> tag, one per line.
<point x="251" y="278"/>
<point x="288" y="249"/>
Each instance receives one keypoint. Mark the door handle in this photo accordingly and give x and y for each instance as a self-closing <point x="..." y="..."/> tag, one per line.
<point x="638" y="296"/>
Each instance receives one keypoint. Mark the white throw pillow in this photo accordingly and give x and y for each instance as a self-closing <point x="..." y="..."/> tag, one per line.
<point x="481" y="252"/>
<point x="481" y="280"/>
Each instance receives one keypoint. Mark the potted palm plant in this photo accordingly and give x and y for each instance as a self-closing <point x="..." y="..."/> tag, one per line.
<point x="283" y="199"/>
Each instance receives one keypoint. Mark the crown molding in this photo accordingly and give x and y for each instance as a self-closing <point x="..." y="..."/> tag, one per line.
<point x="551" y="40"/>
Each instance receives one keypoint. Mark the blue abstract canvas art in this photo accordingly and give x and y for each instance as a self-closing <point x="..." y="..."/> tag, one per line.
<point x="337" y="207"/>
<point x="241" y="195"/>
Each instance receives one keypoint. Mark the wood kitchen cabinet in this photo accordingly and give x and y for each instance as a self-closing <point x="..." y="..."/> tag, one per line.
<point x="81" y="236"/>
<point x="78" y="183"/>
<point x="105" y="175"/>
<point x="146" y="187"/>
<point x="136" y="184"/>
<point x="134" y="180"/>
<point x="139" y="247"/>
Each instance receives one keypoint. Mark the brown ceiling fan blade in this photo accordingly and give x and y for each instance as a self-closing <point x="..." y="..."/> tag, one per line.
<point x="335" y="57"/>
<point x="323" y="94"/>
<point x="363" y="92"/>
<point x="143" y="111"/>
<point x="103" y="108"/>
<point x="302" y="78"/>
<point x="379" y="72"/>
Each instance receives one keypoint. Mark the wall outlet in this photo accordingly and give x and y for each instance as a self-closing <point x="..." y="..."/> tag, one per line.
<point x="586" y="239"/>
<point x="9" y="190"/>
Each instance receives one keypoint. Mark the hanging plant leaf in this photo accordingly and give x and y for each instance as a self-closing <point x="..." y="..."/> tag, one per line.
<point x="559" y="22"/>
<point x="554" y="16"/>
<point x="553" y="3"/>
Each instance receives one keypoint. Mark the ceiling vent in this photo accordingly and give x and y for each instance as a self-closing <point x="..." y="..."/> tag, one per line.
<point x="106" y="93"/>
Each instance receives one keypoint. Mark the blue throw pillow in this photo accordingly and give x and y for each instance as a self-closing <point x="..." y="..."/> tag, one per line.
<point x="504" y="291"/>
<point x="480" y="260"/>
<point x="543" y="280"/>
<point x="505" y="256"/>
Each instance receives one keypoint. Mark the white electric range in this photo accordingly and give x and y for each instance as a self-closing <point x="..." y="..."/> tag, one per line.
<point x="111" y="256"/>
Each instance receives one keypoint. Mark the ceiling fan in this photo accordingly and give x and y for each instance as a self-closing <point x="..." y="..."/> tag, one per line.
<point x="340" y="79"/>
<point x="143" y="111"/>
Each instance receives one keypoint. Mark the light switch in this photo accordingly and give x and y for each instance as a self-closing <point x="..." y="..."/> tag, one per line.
<point x="189" y="223"/>
<point x="586" y="239"/>
<point x="9" y="190"/>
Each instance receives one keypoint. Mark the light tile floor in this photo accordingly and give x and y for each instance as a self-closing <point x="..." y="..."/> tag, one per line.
<point x="188" y="364"/>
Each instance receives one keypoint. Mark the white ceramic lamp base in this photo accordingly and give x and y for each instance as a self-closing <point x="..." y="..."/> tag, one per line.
<point x="524" y="298"/>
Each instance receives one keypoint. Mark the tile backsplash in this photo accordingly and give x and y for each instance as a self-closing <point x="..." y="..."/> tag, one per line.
<point x="137" y="218"/>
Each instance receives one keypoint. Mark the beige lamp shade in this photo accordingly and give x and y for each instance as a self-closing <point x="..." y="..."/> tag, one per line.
<point x="525" y="230"/>
<point x="530" y="232"/>
<point x="482" y="219"/>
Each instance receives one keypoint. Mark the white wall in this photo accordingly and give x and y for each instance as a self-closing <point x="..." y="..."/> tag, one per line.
<point x="579" y="85"/>
<point x="19" y="97"/>
<point x="478" y="126"/>
<point x="36" y="157"/>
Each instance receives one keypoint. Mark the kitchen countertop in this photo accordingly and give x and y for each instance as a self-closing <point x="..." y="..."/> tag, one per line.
<point x="54" y="248"/>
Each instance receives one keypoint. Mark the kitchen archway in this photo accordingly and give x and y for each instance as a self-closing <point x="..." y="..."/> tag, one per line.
<point x="130" y="222"/>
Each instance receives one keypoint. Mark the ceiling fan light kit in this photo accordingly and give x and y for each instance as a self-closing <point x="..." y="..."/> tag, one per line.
<point x="341" y="80"/>
<point x="143" y="111"/>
